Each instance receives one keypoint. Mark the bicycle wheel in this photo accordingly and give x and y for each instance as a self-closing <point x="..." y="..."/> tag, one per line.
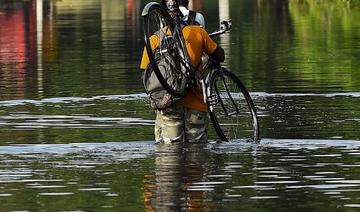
<point x="165" y="45"/>
<point x="231" y="108"/>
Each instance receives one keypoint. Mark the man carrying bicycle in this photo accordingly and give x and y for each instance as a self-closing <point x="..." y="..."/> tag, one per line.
<point x="187" y="119"/>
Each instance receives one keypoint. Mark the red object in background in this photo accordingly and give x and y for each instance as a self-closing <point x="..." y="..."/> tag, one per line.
<point x="130" y="6"/>
<point x="12" y="37"/>
<point x="18" y="34"/>
<point x="131" y="13"/>
<point x="17" y="43"/>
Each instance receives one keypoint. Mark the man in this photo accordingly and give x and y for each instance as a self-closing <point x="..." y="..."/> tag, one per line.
<point x="187" y="119"/>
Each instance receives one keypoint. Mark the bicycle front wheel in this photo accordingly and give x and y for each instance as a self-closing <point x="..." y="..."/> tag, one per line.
<point x="231" y="108"/>
<point x="165" y="48"/>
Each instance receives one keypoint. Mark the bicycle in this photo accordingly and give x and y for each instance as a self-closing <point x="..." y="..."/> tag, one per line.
<point x="230" y="106"/>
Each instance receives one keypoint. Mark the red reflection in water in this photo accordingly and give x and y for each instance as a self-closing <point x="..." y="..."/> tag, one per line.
<point x="131" y="13"/>
<point x="17" y="45"/>
<point x="12" y="38"/>
<point x="131" y="7"/>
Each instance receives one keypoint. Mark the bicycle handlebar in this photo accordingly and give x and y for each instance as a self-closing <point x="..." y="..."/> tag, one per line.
<point x="225" y="26"/>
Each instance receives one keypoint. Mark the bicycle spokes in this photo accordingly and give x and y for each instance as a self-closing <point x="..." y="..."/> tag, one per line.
<point x="218" y="96"/>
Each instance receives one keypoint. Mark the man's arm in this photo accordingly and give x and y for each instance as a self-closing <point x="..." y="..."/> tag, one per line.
<point x="211" y="48"/>
<point x="218" y="54"/>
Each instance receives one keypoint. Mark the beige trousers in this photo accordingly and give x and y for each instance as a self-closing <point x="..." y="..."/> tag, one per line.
<point x="180" y="124"/>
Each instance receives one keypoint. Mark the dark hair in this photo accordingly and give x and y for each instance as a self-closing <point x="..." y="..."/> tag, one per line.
<point x="184" y="3"/>
<point x="173" y="8"/>
<point x="171" y="5"/>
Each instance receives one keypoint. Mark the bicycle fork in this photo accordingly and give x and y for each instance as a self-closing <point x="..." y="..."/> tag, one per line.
<point x="215" y="98"/>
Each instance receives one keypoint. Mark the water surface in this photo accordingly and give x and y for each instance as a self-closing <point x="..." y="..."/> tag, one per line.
<point x="76" y="130"/>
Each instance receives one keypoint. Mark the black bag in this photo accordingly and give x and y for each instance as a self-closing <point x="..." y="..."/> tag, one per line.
<point x="158" y="96"/>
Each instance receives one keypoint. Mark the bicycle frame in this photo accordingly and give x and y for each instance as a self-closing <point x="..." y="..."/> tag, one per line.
<point x="208" y="98"/>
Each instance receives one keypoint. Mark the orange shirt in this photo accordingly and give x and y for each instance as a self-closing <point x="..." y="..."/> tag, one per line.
<point x="197" y="42"/>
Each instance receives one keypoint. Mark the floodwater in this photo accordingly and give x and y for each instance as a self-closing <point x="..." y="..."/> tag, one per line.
<point x="76" y="129"/>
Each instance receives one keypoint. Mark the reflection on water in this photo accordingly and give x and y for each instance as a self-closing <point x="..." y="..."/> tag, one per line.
<point x="90" y="48"/>
<point x="46" y="45"/>
<point x="76" y="132"/>
<point x="276" y="174"/>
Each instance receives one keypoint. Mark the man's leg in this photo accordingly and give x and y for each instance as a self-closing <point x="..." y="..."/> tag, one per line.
<point x="195" y="125"/>
<point x="169" y="125"/>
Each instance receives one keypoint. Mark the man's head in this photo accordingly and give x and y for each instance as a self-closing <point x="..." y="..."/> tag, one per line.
<point x="173" y="7"/>
<point x="170" y="4"/>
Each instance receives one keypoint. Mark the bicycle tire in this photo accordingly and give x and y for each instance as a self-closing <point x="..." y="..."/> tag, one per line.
<point x="157" y="22"/>
<point x="231" y="108"/>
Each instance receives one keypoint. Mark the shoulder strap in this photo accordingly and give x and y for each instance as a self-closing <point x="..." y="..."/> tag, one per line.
<point x="191" y="18"/>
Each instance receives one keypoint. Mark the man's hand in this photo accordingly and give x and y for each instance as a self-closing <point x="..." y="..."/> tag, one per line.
<point x="225" y="25"/>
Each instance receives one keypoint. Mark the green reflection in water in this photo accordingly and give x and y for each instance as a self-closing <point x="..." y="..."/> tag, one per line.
<point x="282" y="46"/>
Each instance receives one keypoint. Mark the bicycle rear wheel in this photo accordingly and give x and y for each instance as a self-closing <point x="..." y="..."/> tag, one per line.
<point x="231" y="108"/>
<point x="165" y="45"/>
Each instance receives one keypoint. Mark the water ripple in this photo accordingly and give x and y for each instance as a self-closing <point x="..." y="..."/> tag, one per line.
<point x="27" y="121"/>
<point x="58" y="100"/>
<point x="142" y="96"/>
<point x="241" y="172"/>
